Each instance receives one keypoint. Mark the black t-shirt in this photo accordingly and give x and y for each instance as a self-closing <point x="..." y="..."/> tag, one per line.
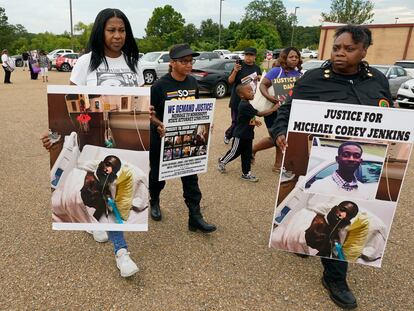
<point x="167" y="88"/>
<point x="244" y="72"/>
<point x="245" y="121"/>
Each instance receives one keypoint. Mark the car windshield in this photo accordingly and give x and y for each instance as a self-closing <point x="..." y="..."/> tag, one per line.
<point x="311" y="65"/>
<point x="150" y="57"/>
<point x="382" y="69"/>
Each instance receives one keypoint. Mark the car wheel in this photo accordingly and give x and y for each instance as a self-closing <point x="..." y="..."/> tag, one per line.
<point x="19" y="63"/>
<point x="65" y="67"/>
<point x="310" y="56"/>
<point x="149" y="77"/>
<point x="220" y="90"/>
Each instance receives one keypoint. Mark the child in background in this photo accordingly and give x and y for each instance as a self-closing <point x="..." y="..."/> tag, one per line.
<point x="44" y="65"/>
<point x="244" y="133"/>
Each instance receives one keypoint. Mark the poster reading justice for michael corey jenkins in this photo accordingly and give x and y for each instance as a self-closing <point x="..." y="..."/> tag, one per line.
<point x="348" y="165"/>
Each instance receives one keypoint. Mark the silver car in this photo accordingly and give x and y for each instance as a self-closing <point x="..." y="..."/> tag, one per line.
<point x="396" y="76"/>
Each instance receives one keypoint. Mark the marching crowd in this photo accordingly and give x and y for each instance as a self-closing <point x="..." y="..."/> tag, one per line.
<point x="112" y="46"/>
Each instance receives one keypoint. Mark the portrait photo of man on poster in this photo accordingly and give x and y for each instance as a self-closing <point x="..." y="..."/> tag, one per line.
<point x="352" y="168"/>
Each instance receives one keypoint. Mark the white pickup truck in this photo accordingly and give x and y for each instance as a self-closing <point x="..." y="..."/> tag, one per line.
<point x="305" y="53"/>
<point x="226" y="54"/>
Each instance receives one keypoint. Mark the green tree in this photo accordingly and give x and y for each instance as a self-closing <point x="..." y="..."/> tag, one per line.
<point x="209" y="30"/>
<point x="9" y="33"/>
<point x="191" y="34"/>
<point x="261" y="32"/>
<point x="350" y="11"/>
<point x="167" y="25"/>
<point x="84" y="32"/>
<point x="306" y="36"/>
<point x="273" y="12"/>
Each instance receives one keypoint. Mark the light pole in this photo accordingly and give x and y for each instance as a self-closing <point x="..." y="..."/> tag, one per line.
<point x="71" y="24"/>
<point x="396" y="19"/>
<point x="293" y="26"/>
<point x="219" y="43"/>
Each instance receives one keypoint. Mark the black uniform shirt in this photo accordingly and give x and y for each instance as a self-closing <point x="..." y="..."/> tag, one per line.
<point x="245" y="121"/>
<point x="368" y="87"/>
<point x="244" y="72"/>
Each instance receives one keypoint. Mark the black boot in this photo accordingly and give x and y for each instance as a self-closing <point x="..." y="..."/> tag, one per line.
<point x="340" y="293"/>
<point x="196" y="221"/>
<point x="155" y="209"/>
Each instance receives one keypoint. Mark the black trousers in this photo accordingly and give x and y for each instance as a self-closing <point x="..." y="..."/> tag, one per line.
<point x="7" y="75"/>
<point x="241" y="147"/>
<point x="191" y="191"/>
<point x="234" y="113"/>
<point x="334" y="270"/>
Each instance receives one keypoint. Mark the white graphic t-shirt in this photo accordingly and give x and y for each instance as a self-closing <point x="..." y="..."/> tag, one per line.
<point x="118" y="74"/>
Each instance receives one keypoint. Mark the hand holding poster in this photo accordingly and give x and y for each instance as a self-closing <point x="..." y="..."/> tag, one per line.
<point x="349" y="163"/>
<point x="184" y="148"/>
<point x="95" y="187"/>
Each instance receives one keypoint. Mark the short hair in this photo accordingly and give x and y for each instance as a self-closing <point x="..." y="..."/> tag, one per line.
<point x="349" y="143"/>
<point x="240" y="87"/>
<point x="113" y="161"/>
<point x="97" y="40"/>
<point x="282" y="59"/>
<point x="354" y="210"/>
<point x="360" y="34"/>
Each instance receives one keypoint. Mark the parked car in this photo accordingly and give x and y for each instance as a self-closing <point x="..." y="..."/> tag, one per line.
<point x="207" y="55"/>
<point x="312" y="64"/>
<point x="405" y="94"/>
<point x="18" y="60"/>
<point x="305" y="53"/>
<point x="226" y="54"/>
<point x="408" y="65"/>
<point x="212" y="76"/>
<point x="54" y="54"/>
<point x="240" y="54"/>
<point x="66" y="61"/>
<point x="154" y="65"/>
<point x="276" y="53"/>
<point x="396" y="76"/>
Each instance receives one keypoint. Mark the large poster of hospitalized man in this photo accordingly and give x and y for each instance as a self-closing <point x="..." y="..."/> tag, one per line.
<point x="99" y="158"/>
<point x="340" y="194"/>
<point x="184" y="148"/>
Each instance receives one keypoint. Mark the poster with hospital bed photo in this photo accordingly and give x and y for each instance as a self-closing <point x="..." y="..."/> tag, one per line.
<point x="339" y="224"/>
<point x="99" y="158"/>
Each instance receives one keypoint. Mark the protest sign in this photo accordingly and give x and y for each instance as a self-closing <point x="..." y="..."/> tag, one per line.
<point x="348" y="165"/>
<point x="282" y="86"/>
<point x="99" y="158"/>
<point x="184" y="148"/>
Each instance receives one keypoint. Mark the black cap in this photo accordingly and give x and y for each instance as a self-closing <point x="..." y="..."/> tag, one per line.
<point x="250" y="51"/>
<point x="181" y="50"/>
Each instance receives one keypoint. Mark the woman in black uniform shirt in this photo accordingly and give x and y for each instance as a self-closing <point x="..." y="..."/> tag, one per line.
<point x="343" y="79"/>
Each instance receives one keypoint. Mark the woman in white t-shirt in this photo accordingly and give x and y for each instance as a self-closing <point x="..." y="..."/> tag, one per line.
<point x="113" y="61"/>
<point x="7" y="65"/>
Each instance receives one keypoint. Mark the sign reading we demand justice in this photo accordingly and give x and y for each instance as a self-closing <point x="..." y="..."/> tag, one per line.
<point x="184" y="148"/>
<point x="348" y="163"/>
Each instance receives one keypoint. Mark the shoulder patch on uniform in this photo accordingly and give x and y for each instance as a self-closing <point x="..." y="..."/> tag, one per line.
<point x="383" y="102"/>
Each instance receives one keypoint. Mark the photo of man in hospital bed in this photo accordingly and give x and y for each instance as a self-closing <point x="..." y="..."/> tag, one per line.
<point x="327" y="226"/>
<point x="99" y="188"/>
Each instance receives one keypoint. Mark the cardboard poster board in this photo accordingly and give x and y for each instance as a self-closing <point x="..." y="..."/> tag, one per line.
<point x="348" y="165"/>
<point x="99" y="159"/>
<point x="185" y="146"/>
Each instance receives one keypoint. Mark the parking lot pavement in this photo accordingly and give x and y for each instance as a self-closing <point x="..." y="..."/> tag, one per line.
<point x="231" y="269"/>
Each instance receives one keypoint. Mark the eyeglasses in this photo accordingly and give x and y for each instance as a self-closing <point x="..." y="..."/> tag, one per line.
<point x="185" y="62"/>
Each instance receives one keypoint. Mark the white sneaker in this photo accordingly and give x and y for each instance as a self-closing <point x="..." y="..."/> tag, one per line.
<point x="100" y="236"/>
<point x="249" y="177"/>
<point x="287" y="175"/>
<point x="125" y="263"/>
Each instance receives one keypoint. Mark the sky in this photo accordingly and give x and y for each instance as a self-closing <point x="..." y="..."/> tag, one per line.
<point x="53" y="15"/>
